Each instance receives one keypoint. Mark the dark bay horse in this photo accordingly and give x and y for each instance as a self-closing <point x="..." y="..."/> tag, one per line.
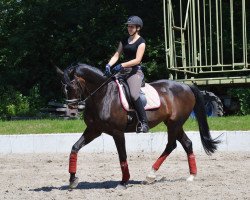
<point x="104" y="113"/>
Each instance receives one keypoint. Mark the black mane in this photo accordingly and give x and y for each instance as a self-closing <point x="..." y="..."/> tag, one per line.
<point x="81" y="69"/>
<point x="81" y="66"/>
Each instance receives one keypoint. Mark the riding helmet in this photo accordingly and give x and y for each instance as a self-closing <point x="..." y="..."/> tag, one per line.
<point x="135" y="20"/>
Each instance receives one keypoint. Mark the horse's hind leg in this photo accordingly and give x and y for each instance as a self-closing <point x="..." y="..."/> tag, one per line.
<point x="187" y="145"/>
<point x="88" y="135"/>
<point x="121" y="148"/>
<point x="171" y="145"/>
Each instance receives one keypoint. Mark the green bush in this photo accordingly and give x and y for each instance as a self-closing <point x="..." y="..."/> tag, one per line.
<point x="14" y="103"/>
<point x="243" y="95"/>
<point x="34" y="98"/>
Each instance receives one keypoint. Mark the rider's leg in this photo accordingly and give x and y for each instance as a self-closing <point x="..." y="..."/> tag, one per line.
<point x="134" y="83"/>
<point x="143" y="127"/>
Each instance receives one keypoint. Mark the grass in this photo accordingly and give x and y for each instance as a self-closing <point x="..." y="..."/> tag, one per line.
<point x="232" y="123"/>
<point x="41" y="126"/>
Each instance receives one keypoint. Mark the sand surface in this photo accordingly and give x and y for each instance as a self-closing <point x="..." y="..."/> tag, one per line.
<point x="45" y="176"/>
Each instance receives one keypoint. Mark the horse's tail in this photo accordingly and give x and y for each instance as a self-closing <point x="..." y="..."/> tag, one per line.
<point x="209" y="144"/>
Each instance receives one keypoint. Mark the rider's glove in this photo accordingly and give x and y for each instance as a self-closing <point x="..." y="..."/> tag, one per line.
<point x="117" y="68"/>
<point x="107" y="70"/>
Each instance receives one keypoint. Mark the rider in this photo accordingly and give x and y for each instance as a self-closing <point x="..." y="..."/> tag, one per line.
<point x="133" y="48"/>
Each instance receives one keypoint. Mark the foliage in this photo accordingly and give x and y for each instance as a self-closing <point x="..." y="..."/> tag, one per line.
<point x="243" y="95"/>
<point x="34" y="33"/>
<point x="14" y="103"/>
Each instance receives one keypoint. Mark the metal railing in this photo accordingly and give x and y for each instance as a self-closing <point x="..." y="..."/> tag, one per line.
<point x="206" y="38"/>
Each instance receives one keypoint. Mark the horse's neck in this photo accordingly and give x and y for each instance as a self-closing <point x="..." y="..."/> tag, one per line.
<point x="100" y="101"/>
<point x="93" y="83"/>
<point x="93" y="79"/>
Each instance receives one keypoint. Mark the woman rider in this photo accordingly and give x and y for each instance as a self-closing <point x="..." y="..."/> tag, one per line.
<point x="133" y="48"/>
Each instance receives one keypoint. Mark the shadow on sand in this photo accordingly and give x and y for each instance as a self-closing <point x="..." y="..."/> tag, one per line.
<point x="106" y="184"/>
<point x="87" y="186"/>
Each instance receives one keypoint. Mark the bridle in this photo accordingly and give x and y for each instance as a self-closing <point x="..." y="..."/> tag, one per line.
<point x="81" y="88"/>
<point x="71" y="102"/>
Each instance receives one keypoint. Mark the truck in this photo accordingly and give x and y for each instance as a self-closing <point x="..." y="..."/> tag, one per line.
<point x="207" y="44"/>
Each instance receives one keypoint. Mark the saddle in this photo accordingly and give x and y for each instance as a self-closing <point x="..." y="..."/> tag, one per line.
<point x="149" y="96"/>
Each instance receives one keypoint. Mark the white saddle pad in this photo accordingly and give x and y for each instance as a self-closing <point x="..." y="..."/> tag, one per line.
<point x="152" y="96"/>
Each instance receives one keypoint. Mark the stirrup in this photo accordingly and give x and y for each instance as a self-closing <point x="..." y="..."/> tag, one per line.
<point x="142" y="128"/>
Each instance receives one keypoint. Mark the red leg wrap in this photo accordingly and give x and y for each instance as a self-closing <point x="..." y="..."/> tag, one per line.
<point x="72" y="162"/>
<point x="159" y="161"/>
<point x="125" y="171"/>
<point x="192" y="164"/>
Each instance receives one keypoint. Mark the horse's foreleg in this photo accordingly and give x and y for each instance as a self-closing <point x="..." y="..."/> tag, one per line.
<point x="121" y="148"/>
<point x="187" y="145"/>
<point x="86" y="138"/>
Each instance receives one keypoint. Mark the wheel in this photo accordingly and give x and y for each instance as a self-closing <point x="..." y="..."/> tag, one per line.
<point x="213" y="104"/>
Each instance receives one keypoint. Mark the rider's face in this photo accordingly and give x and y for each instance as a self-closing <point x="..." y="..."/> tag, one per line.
<point x="132" y="29"/>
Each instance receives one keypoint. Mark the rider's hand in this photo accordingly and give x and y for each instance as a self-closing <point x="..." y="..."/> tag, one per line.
<point x="117" y="68"/>
<point x="107" y="70"/>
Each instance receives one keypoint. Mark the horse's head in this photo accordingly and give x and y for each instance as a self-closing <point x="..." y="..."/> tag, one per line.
<point x="79" y="82"/>
<point x="70" y="90"/>
<point x="72" y="87"/>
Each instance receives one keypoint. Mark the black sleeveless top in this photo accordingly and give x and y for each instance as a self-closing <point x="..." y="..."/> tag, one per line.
<point x="130" y="50"/>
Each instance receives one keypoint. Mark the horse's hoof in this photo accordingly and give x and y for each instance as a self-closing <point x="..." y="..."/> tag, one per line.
<point x="191" y="178"/>
<point x="150" y="179"/>
<point x="73" y="183"/>
<point x="121" y="186"/>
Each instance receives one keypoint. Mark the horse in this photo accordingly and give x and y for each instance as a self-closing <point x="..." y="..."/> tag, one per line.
<point x="104" y="114"/>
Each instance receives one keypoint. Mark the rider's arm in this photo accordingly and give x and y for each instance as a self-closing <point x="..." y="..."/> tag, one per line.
<point x="116" y="56"/>
<point x="138" y="58"/>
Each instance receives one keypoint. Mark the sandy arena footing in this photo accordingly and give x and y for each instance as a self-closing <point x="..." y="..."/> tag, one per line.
<point x="224" y="175"/>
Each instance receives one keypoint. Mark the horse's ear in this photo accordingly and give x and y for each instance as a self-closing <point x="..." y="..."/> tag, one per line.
<point x="58" y="70"/>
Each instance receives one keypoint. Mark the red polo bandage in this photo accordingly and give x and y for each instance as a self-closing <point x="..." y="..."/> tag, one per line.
<point x="192" y="164"/>
<point x="159" y="161"/>
<point x="125" y="171"/>
<point x="72" y="163"/>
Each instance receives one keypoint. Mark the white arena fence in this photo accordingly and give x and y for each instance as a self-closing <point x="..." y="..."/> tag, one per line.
<point x="149" y="142"/>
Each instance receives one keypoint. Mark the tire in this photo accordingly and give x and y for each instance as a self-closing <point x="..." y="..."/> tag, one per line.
<point x="213" y="104"/>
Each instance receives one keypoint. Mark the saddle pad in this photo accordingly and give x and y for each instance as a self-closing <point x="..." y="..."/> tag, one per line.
<point x="152" y="96"/>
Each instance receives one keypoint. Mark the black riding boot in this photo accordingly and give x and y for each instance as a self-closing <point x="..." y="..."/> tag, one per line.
<point x="143" y="122"/>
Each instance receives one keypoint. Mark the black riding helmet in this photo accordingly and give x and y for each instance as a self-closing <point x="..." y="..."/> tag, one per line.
<point x="135" y="20"/>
